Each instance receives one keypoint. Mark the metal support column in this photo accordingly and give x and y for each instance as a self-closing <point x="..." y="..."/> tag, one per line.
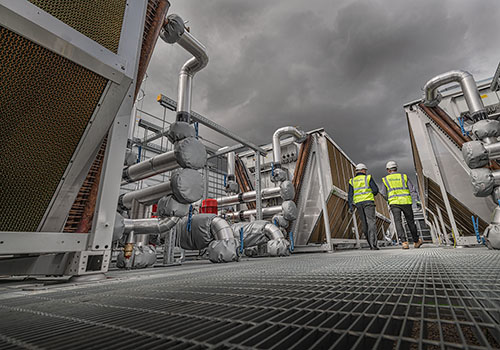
<point x="326" y="216"/>
<point x="258" y="198"/>
<point x="442" y="187"/>
<point x="443" y="226"/>
<point x="356" y="230"/>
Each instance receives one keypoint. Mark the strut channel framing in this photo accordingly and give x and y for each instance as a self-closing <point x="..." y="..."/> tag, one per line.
<point x="431" y="298"/>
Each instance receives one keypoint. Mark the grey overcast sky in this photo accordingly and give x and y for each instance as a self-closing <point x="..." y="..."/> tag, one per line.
<point x="345" y="65"/>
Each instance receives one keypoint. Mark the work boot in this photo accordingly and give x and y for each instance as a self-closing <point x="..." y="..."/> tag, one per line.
<point x="406" y="245"/>
<point x="376" y="248"/>
<point x="418" y="243"/>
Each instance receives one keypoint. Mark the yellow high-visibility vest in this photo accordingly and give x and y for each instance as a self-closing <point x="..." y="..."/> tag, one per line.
<point x="362" y="190"/>
<point x="397" y="189"/>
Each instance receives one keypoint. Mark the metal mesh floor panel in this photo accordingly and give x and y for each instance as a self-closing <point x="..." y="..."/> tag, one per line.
<point x="430" y="298"/>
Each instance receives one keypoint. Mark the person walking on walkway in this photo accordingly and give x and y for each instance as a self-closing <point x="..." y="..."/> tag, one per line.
<point x="398" y="191"/>
<point x="362" y="192"/>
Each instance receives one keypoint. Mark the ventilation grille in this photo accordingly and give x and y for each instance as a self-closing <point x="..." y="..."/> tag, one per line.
<point x="46" y="103"/>
<point x="100" y="20"/>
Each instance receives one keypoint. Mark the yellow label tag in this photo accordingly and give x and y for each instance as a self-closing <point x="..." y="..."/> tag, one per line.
<point x="484" y="96"/>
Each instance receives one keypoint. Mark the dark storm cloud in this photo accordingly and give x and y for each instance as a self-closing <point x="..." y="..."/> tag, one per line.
<point x="347" y="66"/>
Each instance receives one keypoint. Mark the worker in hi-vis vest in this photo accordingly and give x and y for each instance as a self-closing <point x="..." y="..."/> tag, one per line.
<point x="362" y="192"/>
<point x="398" y="191"/>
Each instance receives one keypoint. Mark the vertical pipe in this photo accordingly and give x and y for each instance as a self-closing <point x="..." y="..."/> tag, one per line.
<point x="258" y="197"/>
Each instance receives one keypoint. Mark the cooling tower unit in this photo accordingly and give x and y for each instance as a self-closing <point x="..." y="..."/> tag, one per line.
<point x="68" y="72"/>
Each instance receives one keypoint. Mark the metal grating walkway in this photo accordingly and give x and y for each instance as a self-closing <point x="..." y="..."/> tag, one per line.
<point x="430" y="298"/>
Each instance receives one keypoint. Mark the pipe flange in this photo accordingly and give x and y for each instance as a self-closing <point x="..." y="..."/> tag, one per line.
<point x="492" y="236"/>
<point x="279" y="175"/>
<point x="232" y="187"/>
<point x="434" y="102"/>
<point x="172" y="29"/>
<point x="475" y="155"/>
<point x="187" y="185"/>
<point x="168" y="207"/>
<point x="179" y="131"/>
<point x="482" y="181"/>
<point x="287" y="190"/>
<point x="289" y="210"/>
<point x="280" y="221"/>
<point x="190" y="153"/>
<point x="486" y="128"/>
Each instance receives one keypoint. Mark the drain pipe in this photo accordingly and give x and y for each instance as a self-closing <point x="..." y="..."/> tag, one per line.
<point x="482" y="150"/>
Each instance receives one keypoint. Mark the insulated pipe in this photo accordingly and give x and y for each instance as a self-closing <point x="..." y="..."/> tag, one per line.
<point x="159" y="164"/>
<point x="469" y="89"/>
<point x="299" y="135"/>
<point x="245" y="214"/>
<point x="221" y="229"/>
<point x="273" y="232"/>
<point x="146" y="196"/>
<point x="149" y="226"/>
<point x="175" y="32"/>
<point x="250" y="196"/>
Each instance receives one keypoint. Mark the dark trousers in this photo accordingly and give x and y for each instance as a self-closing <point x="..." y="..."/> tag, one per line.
<point x="366" y="212"/>
<point x="407" y="210"/>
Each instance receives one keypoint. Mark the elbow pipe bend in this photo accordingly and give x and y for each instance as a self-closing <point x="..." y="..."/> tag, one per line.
<point x="272" y="232"/>
<point x="469" y="88"/>
<point x="299" y="135"/>
<point x="220" y="229"/>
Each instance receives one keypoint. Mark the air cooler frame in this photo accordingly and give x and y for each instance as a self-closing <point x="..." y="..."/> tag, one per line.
<point x="49" y="251"/>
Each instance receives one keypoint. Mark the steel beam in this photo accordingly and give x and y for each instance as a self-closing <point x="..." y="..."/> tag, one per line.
<point x="41" y="242"/>
<point x="172" y="105"/>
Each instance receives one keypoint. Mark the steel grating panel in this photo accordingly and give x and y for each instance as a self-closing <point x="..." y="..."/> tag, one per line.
<point x="432" y="298"/>
<point x="100" y="20"/>
<point x="47" y="102"/>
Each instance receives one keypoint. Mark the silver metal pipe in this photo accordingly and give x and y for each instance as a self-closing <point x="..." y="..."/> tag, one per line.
<point x="146" y="196"/>
<point x="149" y="226"/>
<point x="221" y="229"/>
<point x="266" y="212"/>
<point x="189" y="69"/>
<point x="273" y="232"/>
<point x="231" y="163"/>
<point x="493" y="150"/>
<point x="271" y="192"/>
<point x="299" y="136"/>
<point x="159" y="164"/>
<point x="496" y="177"/>
<point x="467" y="83"/>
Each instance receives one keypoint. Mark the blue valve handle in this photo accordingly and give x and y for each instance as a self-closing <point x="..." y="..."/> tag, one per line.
<point x="196" y="126"/>
<point x="241" y="240"/>
<point x="291" y="241"/>
<point x="475" y="224"/>
<point x="272" y="169"/>
<point x="190" y="217"/>
<point x="225" y="180"/>
<point x="461" y="122"/>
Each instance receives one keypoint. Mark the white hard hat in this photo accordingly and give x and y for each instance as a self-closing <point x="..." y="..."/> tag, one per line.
<point x="361" y="166"/>
<point x="391" y="165"/>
